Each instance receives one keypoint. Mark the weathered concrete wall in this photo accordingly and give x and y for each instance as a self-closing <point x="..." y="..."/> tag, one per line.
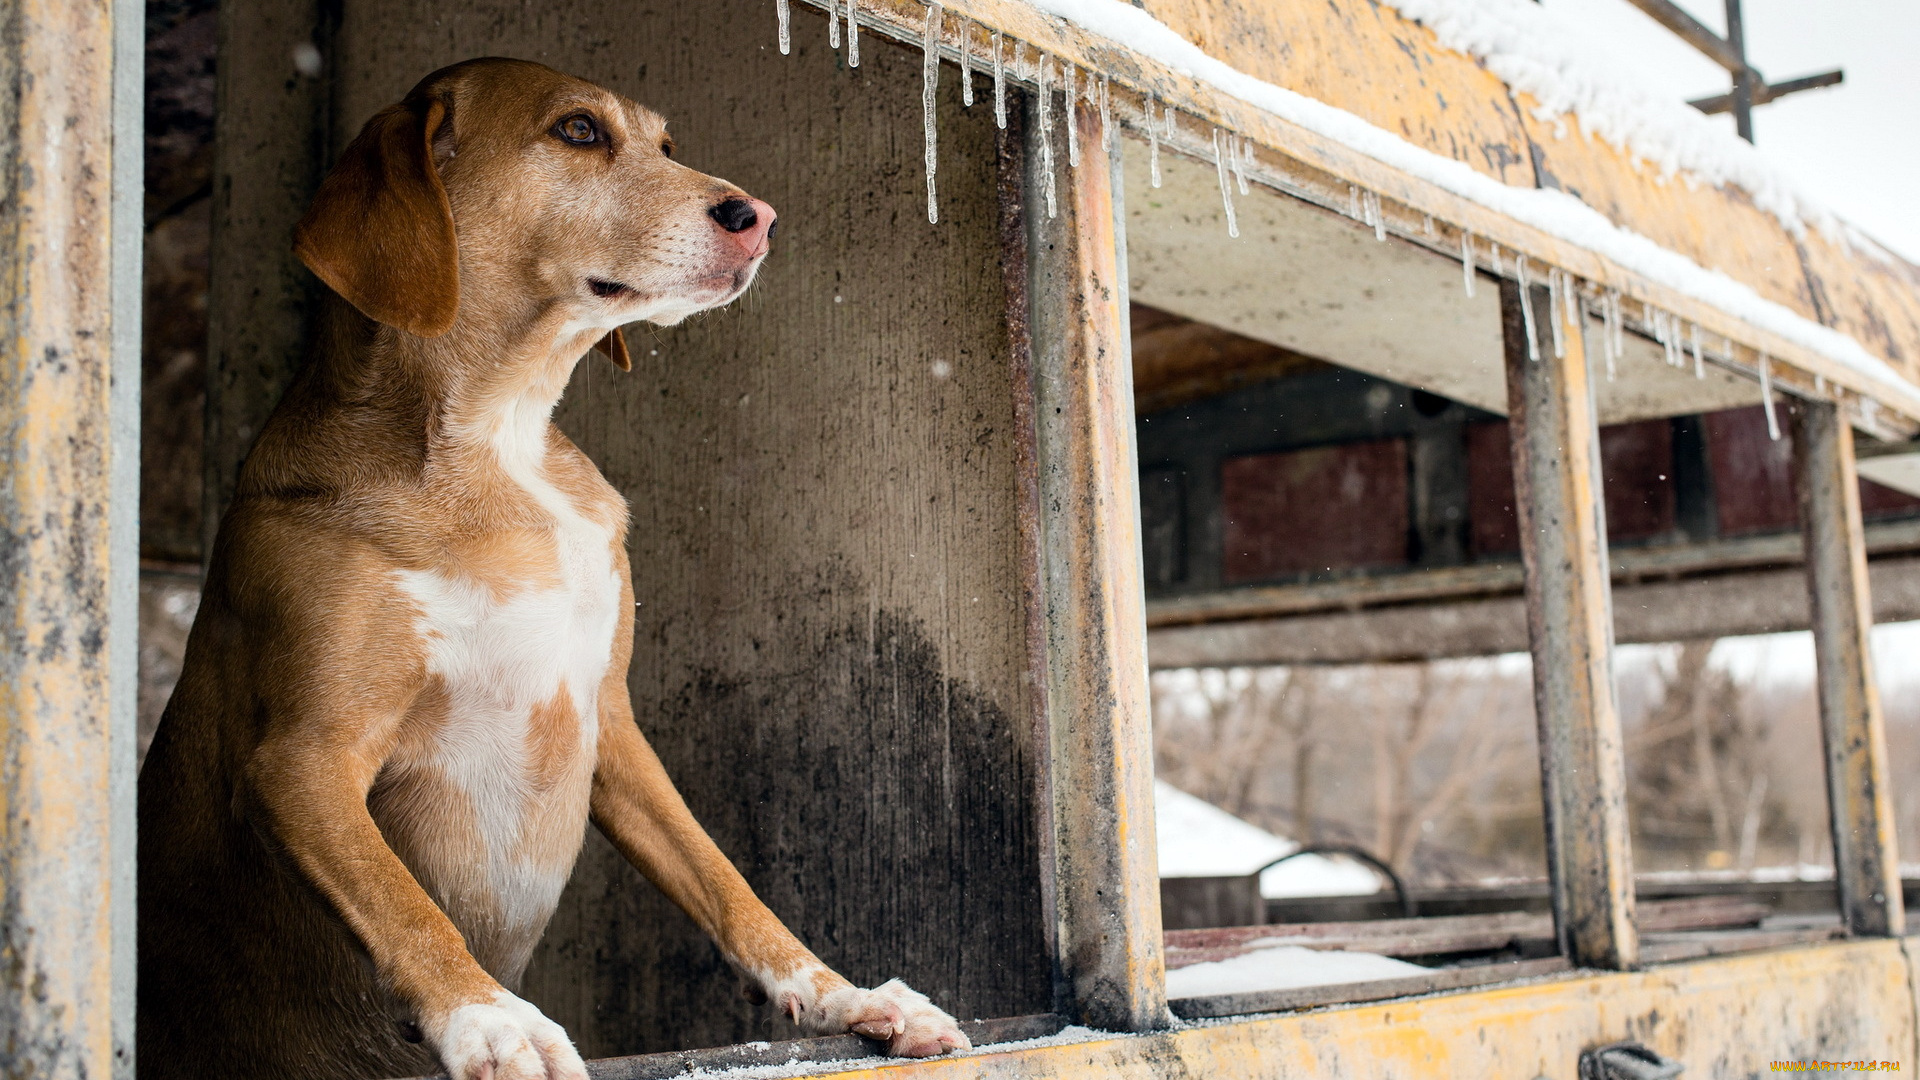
<point x="833" y="631"/>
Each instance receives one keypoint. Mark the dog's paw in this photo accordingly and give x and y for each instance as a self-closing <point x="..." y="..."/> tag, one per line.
<point x="897" y="1015"/>
<point x="508" y="1039"/>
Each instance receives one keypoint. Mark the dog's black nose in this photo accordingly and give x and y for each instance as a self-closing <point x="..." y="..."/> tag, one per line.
<point x="735" y="215"/>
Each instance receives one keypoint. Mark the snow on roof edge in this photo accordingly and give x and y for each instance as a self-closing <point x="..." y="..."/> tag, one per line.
<point x="1553" y="212"/>
<point x="1525" y="46"/>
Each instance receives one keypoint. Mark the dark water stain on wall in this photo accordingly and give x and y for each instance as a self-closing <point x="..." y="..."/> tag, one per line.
<point x="859" y="789"/>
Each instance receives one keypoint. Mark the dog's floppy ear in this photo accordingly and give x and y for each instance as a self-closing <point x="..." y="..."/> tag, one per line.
<point x="380" y="230"/>
<point x="615" y="346"/>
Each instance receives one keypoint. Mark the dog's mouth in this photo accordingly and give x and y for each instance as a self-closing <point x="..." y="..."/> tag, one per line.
<point x="610" y="290"/>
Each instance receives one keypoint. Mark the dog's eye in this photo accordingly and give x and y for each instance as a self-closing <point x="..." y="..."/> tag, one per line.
<point x="666" y="147"/>
<point x="578" y="129"/>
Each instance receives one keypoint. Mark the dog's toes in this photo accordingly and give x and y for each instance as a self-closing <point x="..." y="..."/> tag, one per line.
<point x="924" y="1029"/>
<point x="877" y="1018"/>
<point x="506" y="1040"/>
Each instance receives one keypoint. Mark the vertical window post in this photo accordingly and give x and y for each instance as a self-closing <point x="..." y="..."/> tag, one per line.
<point x="1563" y="542"/>
<point x="69" y="461"/>
<point x="1106" y="870"/>
<point x="1866" y="866"/>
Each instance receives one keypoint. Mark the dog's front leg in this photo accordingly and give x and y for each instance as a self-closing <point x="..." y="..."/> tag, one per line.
<point x="309" y="779"/>
<point x="638" y="808"/>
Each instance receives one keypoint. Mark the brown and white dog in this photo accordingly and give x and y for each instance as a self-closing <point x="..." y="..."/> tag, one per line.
<point x="405" y="694"/>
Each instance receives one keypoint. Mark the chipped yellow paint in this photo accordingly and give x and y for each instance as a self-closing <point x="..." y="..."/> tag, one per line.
<point x="56" y="77"/>
<point x="1721" y="1018"/>
<point x="1367" y="60"/>
<point x="1876" y="300"/>
<point x="1720" y="229"/>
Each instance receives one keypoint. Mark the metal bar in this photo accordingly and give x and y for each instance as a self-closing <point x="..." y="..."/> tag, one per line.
<point x="1106" y="872"/>
<point x="60" y="66"/>
<point x="1556" y="469"/>
<point x="1694" y="33"/>
<point x="1745" y="79"/>
<point x="123" y="585"/>
<point x="1627" y="566"/>
<point x="1866" y="864"/>
<point x="1766" y="92"/>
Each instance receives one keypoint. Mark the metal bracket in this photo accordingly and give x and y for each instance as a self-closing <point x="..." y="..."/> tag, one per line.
<point x="1626" y="1061"/>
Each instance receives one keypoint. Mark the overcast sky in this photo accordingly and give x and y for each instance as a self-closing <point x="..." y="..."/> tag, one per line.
<point x="1854" y="147"/>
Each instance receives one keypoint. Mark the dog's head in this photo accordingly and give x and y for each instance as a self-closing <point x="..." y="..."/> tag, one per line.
<point x="502" y="178"/>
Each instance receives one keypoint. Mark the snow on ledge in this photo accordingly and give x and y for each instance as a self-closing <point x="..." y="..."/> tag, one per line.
<point x="1285" y="967"/>
<point x="1553" y="212"/>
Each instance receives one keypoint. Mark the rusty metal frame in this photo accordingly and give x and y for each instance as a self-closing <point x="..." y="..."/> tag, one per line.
<point x="1563" y="542"/>
<point x="1106" y="875"/>
<point x="1866" y="862"/>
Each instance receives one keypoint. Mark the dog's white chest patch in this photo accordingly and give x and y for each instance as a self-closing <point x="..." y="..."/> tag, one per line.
<point x="521" y="668"/>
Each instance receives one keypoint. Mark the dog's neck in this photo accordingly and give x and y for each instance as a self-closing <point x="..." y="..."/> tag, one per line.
<point x="377" y="402"/>
<point x="480" y="387"/>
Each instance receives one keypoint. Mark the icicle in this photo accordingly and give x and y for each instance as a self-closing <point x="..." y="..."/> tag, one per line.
<point x="1570" y="292"/>
<point x="1173" y="118"/>
<point x="1466" y="261"/>
<point x="999" y="85"/>
<point x="1013" y="62"/>
<point x="1699" y="362"/>
<point x="786" y="26"/>
<point x="1046" y="131"/>
<point x="1820" y="383"/>
<point x="966" y="61"/>
<point x="1240" y="151"/>
<point x="853" y="36"/>
<point x="833" y="23"/>
<point x="1609" y="331"/>
<point x="1619" y="327"/>
<point x="1526" y="308"/>
<point x="1106" y="113"/>
<point x="1353" y="203"/>
<point x="1498" y="270"/>
<point x="1371" y="201"/>
<point x="1068" y="86"/>
<point x="1553" y="313"/>
<point x="1426" y="224"/>
<point x="1153" y="142"/>
<point x="1766" y="397"/>
<point x="1226" y="189"/>
<point x="929" y="81"/>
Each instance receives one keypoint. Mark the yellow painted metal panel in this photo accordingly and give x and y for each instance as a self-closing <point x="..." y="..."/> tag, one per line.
<point x="1874" y="299"/>
<point x="1721" y="1018"/>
